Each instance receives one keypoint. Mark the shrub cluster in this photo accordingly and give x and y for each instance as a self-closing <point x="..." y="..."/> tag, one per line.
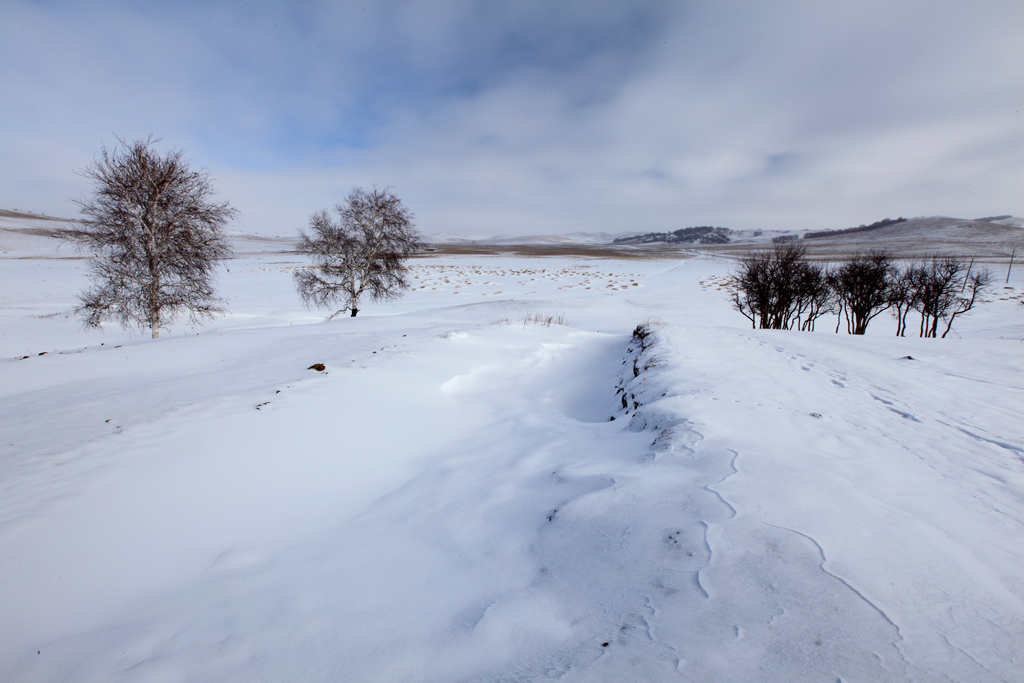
<point x="777" y="289"/>
<point x="939" y="289"/>
<point x="780" y="289"/>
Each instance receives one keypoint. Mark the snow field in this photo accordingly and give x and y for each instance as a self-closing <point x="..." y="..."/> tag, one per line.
<point x="472" y="280"/>
<point x="451" y="501"/>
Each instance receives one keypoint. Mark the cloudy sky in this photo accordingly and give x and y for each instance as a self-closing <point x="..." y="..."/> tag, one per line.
<point x="527" y="117"/>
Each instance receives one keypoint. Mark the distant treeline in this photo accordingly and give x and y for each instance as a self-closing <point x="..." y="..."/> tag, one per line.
<point x="860" y="228"/>
<point x="703" y="234"/>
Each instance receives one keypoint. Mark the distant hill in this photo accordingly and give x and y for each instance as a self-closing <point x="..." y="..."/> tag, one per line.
<point x="28" y="215"/>
<point x="885" y="222"/>
<point x="703" y="234"/>
<point x="916" y="237"/>
<point x="1012" y="221"/>
<point x="29" y="235"/>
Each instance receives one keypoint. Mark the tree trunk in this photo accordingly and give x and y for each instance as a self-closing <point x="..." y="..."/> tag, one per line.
<point x="354" y="311"/>
<point x="154" y="306"/>
<point x="154" y="274"/>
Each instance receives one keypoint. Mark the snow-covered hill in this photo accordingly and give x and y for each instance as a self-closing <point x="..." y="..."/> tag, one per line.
<point x="917" y="237"/>
<point x="990" y="237"/>
<point x="451" y="499"/>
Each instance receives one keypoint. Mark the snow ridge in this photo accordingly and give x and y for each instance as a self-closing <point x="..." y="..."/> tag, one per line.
<point x="845" y="582"/>
<point x="725" y="550"/>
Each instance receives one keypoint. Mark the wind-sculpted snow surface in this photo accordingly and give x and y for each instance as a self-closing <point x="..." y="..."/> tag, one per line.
<point x="873" y="570"/>
<point x="463" y="494"/>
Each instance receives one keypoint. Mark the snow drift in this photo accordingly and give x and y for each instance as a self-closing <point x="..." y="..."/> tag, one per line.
<point x="465" y="494"/>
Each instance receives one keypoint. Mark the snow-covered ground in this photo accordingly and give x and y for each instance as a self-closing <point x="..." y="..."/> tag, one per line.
<point x="451" y="500"/>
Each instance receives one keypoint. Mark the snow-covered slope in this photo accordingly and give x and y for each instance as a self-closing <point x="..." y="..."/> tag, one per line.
<point x="25" y="235"/>
<point x="920" y="236"/>
<point x="1012" y="221"/>
<point x="990" y="237"/>
<point x="451" y="500"/>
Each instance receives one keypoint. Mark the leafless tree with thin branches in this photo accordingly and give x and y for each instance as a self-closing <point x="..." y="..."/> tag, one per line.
<point x="903" y="296"/>
<point x="777" y="289"/>
<point x="815" y="297"/>
<point x="973" y="286"/>
<point x="362" y="253"/>
<point x="944" y="289"/>
<point x="940" y="288"/>
<point x="764" y="294"/>
<point x="156" y="237"/>
<point x="862" y="288"/>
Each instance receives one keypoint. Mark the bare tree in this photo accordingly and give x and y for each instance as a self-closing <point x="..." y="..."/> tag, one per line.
<point x="815" y="296"/>
<point x="973" y="286"/>
<point x="862" y="288"/>
<point x="903" y="296"/>
<point x="156" y="237"/>
<point x="753" y="294"/>
<point x="364" y="252"/>
<point x="940" y="289"/>
<point x="777" y="289"/>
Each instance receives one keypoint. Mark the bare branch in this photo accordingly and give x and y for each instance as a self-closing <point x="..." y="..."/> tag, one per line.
<point x="155" y="237"/>
<point x="862" y="286"/>
<point x="777" y="289"/>
<point x="364" y="252"/>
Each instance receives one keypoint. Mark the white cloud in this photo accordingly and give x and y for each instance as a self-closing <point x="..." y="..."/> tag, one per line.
<point x="540" y="119"/>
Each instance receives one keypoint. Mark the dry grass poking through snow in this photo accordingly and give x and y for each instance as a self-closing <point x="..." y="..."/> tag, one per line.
<point x="545" y="320"/>
<point x="478" y="280"/>
<point x="536" y="318"/>
<point x="721" y="283"/>
<point x="1007" y="293"/>
<point x="273" y="267"/>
